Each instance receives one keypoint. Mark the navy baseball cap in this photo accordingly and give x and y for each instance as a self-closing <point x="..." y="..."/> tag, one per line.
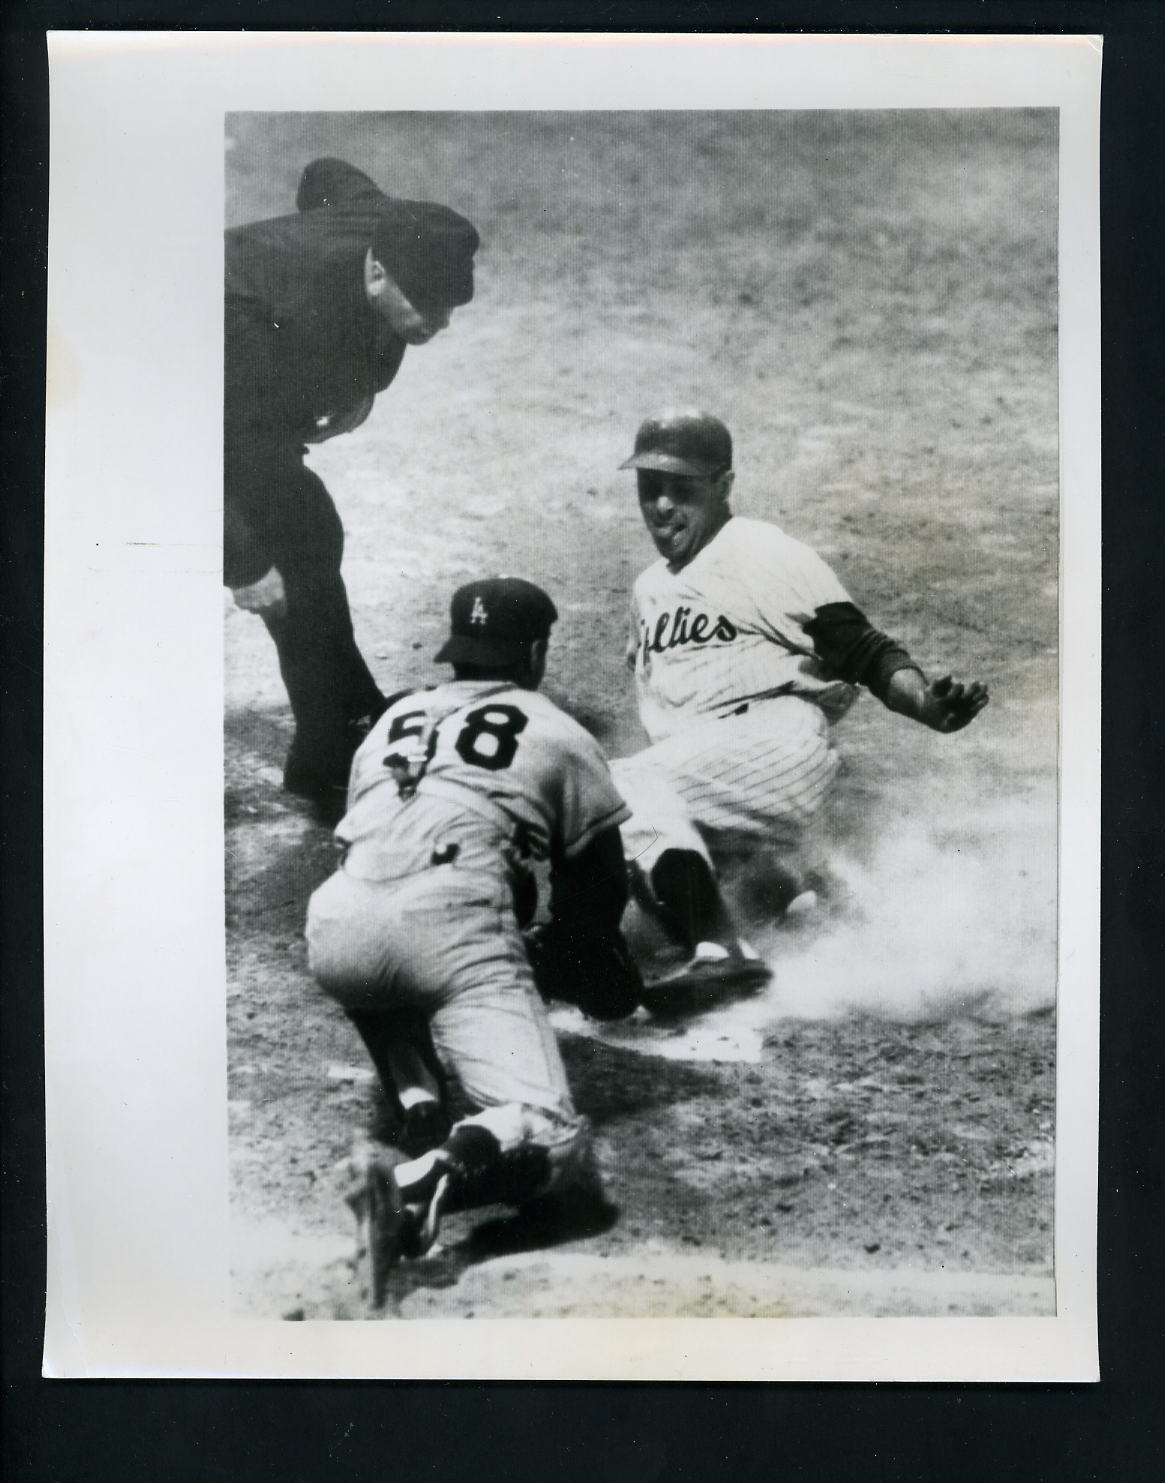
<point x="694" y="444"/>
<point x="493" y="620"/>
<point x="428" y="250"/>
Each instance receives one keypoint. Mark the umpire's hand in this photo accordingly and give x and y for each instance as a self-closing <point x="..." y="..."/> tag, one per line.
<point x="267" y="596"/>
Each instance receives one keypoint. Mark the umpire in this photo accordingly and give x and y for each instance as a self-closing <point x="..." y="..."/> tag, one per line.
<point x="320" y="308"/>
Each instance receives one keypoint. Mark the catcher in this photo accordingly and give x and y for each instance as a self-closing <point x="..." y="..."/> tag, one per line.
<point x="456" y="796"/>
<point x="746" y="650"/>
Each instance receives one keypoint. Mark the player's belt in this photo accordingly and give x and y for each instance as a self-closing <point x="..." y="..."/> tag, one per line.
<point x="464" y="798"/>
<point x="485" y="808"/>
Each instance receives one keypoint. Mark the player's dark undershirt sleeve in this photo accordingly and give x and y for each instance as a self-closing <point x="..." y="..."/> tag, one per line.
<point x="590" y="887"/>
<point x="851" y="648"/>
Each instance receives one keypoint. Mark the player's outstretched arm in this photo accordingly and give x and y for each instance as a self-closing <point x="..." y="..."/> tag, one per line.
<point x="943" y="705"/>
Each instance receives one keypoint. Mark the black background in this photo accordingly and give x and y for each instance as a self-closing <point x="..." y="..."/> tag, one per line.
<point x="61" y="1431"/>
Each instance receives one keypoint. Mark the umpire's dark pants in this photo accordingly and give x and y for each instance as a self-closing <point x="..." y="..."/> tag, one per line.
<point x="278" y="513"/>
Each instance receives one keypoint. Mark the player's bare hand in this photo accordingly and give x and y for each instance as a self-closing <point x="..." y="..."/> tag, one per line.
<point x="951" y="705"/>
<point x="267" y="597"/>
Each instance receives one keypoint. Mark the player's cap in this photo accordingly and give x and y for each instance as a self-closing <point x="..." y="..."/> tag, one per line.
<point x="493" y="620"/>
<point x="694" y="444"/>
<point x="428" y="250"/>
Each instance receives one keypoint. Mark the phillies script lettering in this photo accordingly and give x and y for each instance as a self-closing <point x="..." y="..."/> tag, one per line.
<point x="675" y="629"/>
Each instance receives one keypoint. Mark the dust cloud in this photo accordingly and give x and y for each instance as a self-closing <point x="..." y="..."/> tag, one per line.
<point x="928" y="928"/>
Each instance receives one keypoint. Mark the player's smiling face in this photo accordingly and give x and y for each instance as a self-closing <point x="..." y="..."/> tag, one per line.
<point x="683" y="512"/>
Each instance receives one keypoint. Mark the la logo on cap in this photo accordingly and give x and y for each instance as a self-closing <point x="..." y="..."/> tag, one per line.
<point x="478" y="612"/>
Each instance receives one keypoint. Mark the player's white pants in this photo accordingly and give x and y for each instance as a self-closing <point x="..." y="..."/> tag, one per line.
<point x="446" y="941"/>
<point x="763" y="774"/>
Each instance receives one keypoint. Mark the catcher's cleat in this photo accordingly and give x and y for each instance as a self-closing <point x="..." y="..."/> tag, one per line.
<point x="392" y="1225"/>
<point x="421" y="1232"/>
<point x="386" y="1220"/>
<point x="573" y="1210"/>
<point x="713" y="974"/>
<point x="425" y="1125"/>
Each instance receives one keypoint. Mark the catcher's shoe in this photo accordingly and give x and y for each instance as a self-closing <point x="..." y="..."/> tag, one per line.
<point x="576" y="1209"/>
<point x="713" y="974"/>
<point x="393" y="1224"/>
<point x="425" y="1125"/>
<point x="374" y="1198"/>
<point x="421" y="1233"/>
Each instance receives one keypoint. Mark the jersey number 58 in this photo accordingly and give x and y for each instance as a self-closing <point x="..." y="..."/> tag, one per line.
<point x="488" y="738"/>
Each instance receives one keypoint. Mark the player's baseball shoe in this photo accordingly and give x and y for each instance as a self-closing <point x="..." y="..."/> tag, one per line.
<point x="420" y="1234"/>
<point x="391" y="1225"/>
<point x="326" y="792"/>
<point x="319" y="775"/>
<point x="576" y="1209"/>
<point x="425" y="1125"/>
<point x="713" y="973"/>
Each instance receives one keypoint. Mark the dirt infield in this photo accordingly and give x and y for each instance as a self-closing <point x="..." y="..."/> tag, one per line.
<point x="869" y="300"/>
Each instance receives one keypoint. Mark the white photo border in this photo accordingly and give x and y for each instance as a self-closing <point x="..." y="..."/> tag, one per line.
<point x="135" y="1023"/>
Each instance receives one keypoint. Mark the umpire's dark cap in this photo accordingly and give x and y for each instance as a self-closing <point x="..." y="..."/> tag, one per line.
<point x="428" y="250"/>
<point x="494" y="620"/>
<point x="694" y="444"/>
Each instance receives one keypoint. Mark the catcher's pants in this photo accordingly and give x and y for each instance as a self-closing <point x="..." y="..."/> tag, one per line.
<point x="762" y="774"/>
<point x="446" y="941"/>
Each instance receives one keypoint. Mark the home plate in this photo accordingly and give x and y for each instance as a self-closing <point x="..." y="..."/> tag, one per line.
<point x="734" y="1032"/>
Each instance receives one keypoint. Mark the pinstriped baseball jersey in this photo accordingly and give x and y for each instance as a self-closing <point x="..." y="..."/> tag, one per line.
<point x="727" y="629"/>
<point x="479" y="765"/>
<point x="765" y="773"/>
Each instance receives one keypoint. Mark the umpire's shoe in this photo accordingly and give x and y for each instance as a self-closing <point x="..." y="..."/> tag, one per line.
<point x="319" y="773"/>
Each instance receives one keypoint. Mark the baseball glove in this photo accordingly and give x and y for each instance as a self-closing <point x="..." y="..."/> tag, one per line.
<point x="593" y="970"/>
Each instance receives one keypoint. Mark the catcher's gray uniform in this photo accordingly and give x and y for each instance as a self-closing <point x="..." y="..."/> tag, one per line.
<point x="455" y="795"/>
<point x="423" y="912"/>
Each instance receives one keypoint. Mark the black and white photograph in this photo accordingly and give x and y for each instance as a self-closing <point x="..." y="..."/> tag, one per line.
<point x="768" y="401"/>
<point x="642" y="698"/>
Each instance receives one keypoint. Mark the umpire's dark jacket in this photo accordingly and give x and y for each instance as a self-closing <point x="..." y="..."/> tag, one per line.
<point x="305" y="354"/>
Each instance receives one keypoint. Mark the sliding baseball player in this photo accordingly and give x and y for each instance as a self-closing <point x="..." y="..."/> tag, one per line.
<point x="746" y="651"/>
